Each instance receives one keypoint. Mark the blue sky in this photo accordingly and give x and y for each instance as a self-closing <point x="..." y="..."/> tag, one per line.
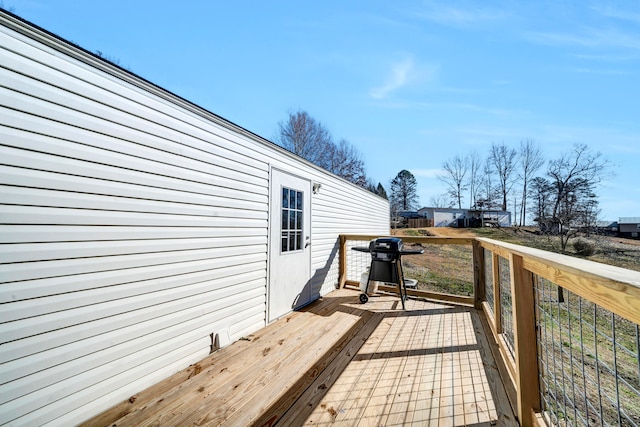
<point x="409" y="83"/>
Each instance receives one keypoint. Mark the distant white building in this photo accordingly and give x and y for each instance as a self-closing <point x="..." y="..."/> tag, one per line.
<point x="629" y="226"/>
<point x="452" y="217"/>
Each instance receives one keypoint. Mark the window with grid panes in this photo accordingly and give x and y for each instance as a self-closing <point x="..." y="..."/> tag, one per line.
<point x="291" y="220"/>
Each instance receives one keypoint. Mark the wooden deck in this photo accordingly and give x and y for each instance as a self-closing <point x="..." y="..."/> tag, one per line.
<point x="337" y="362"/>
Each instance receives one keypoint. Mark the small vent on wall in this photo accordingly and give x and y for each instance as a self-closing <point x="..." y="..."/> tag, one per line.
<point x="215" y="343"/>
<point x="219" y="340"/>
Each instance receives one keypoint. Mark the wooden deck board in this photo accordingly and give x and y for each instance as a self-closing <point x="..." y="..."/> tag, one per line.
<point x="337" y="362"/>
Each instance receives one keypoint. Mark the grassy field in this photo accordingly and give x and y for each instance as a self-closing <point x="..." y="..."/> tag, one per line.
<point x="442" y="268"/>
<point x="616" y="251"/>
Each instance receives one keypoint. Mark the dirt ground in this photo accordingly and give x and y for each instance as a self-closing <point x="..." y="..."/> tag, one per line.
<point x="436" y="231"/>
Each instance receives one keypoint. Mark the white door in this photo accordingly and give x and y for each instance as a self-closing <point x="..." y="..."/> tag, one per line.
<point x="289" y="244"/>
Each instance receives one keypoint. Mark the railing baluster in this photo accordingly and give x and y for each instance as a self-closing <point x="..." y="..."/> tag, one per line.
<point x="560" y="297"/>
<point x="584" y="374"/>
<point x="597" y="361"/>
<point x="573" y="384"/>
<point x="615" y="365"/>
<point x="638" y="348"/>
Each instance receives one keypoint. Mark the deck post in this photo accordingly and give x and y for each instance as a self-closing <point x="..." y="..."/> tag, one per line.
<point x="478" y="275"/>
<point x="342" y="268"/>
<point x="527" y="381"/>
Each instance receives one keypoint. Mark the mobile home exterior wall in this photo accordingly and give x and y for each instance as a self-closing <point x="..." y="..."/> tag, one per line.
<point x="449" y="217"/>
<point x="629" y="227"/>
<point x="442" y="217"/>
<point x="134" y="225"/>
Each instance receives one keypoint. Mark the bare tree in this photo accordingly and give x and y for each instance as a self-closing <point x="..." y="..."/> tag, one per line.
<point x="577" y="210"/>
<point x="455" y="170"/>
<point x="308" y="138"/>
<point x="303" y="135"/>
<point x="540" y="195"/>
<point x="503" y="160"/>
<point x="475" y="177"/>
<point x="109" y="58"/>
<point x="439" y="201"/>
<point x="488" y="190"/>
<point x="344" y="160"/>
<point x="573" y="177"/>
<point x="531" y="160"/>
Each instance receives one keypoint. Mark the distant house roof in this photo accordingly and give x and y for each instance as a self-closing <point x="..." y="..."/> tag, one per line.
<point x="606" y="224"/>
<point x="463" y="210"/>
<point x="629" y="220"/>
<point x="409" y="214"/>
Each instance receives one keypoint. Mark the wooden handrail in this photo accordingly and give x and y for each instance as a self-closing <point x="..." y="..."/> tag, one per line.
<point x="614" y="288"/>
<point x="415" y="239"/>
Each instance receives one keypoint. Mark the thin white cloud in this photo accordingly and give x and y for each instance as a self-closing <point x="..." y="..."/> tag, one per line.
<point x="471" y="137"/>
<point x="459" y="17"/>
<point x="560" y="39"/>
<point x="427" y="173"/>
<point x="611" y="12"/>
<point x="606" y="57"/>
<point x="590" y="38"/>
<point x="601" y="71"/>
<point x="626" y="149"/>
<point x="398" y="77"/>
<point x="478" y="108"/>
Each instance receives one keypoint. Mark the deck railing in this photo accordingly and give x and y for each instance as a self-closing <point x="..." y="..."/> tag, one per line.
<point x="455" y="284"/>
<point x="565" y="329"/>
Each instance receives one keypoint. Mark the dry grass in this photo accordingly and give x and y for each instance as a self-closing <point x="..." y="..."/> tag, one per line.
<point x="587" y="376"/>
<point x="448" y="268"/>
<point x="616" y="251"/>
<point x="442" y="268"/>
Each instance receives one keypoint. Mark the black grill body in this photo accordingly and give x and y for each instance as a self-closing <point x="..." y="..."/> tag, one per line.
<point x="386" y="263"/>
<point x="385" y="260"/>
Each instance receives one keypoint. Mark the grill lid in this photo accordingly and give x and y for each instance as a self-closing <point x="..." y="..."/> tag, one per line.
<point x="386" y="245"/>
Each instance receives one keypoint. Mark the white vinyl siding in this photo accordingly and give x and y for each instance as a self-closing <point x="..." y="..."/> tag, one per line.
<point x="133" y="225"/>
<point x="339" y="210"/>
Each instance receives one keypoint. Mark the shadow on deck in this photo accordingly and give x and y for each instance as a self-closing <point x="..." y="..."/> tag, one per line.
<point x="338" y="362"/>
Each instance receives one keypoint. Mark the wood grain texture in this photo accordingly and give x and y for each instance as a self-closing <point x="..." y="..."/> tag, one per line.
<point x="337" y="362"/>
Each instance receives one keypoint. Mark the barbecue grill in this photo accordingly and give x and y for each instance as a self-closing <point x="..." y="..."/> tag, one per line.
<point x="386" y="264"/>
